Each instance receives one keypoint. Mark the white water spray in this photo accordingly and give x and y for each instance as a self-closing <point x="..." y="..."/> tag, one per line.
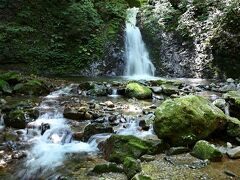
<point x="50" y="148"/>
<point x="137" y="57"/>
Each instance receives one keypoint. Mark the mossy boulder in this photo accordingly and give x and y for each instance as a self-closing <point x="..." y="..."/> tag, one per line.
<point x="233" y="98"/>
<point x="16" y="119"/>
<point x="184" y="120"/>
<point x="11" y="77"/>
<point x="5" y="87"/>
<point x="205" y="150"/>
<point x="118" y="147"/>
<point x="131" y="167"/>
<point x="107" y="167"/>
<point x="233" y="128"/>
<point x="31" y="87"/>
<point x="138" y="91"/>
<point x="98" y="90"/>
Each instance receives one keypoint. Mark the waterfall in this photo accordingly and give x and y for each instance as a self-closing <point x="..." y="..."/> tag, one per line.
<point x="137" y="57"/>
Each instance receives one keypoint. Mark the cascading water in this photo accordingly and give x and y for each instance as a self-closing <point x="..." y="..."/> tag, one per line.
<point x="51" y="138"/>
<point x="137" y="57"/>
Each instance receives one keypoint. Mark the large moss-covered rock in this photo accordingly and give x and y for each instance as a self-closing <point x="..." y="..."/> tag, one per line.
<point x="131" y="167"/>
<point x="118" y="147"/>
<point x="138" y="91"/>
<point x="233" y="98"/>
<point x="11" y="77"/>
<point x="233" y="128"/>
<point x="205" y="150"/>
<point x="31" y="87"/>
<point x="16" y="119"/>
<point x="184" y="120"/>
<point x="5" y="87"/>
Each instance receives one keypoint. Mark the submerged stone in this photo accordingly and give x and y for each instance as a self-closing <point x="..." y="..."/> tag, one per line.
<point x="138" y="91"/>
<point x="205" y="150"/>
<point x="184" y="120"/>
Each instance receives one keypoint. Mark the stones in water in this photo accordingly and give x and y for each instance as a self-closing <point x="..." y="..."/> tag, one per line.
<point x="234" y="153"/>
<point x="182" y="121"/>
<point x="137" y="57"/>
<point x="138" y="91"/>
<point x="96" y="128"/>
<point x="205" y="150"/>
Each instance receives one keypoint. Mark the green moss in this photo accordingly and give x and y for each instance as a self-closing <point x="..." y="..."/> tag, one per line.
<point x="136" y="3"/>
<point x="5" y="87"/>
<point x="117" y="147"/>
<point x="138" y="91"/>
<point x="15" y="119"/>
<point x="234" y="96"/>
<point x="131" y="167"/>
<point x="11" y="77"/>
<point x="183" y="121"/>
<point x="205" y="150"/>
<point x="105" y="168"/>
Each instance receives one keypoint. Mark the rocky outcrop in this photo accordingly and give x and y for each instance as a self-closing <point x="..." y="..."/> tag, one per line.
<point x="184" y="120"/>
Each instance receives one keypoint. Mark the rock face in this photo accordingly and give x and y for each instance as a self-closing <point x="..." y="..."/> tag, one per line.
<point x="233" y="98"/>
<point x="138" y="91"/>
<point x="184" y="120"/>
<point x="118" y="147"/>
<point x="204" y="150"/>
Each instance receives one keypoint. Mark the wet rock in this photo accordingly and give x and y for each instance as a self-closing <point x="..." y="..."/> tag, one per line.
<point x="228" y="87"/>
<point x="86" y="85"/>
<point x="31" y="87"/>
<point x="220" y="103"/>
<point x="184" y="120"/>
<point x="147" y="158"/>
<point x="96" y="128"/>
<point x="233" y="98"/>
<point x="117" y="147"/>
<point x="138" y="91"/>
<point x="78" y="136"/>
<point x="131" y="167"/>
<point x="233" y="128"/>
<point x="169" y="89"/>
<point x="77" y="114"/>
<point x="205" y="150"/>
<point x="107" y="167"/>
<point x="109" y="104"/>
<point x="157" y="89"/>
<point x="98" y="90"/>
<point x="141" y="177"/>
<point x="234" y="153"/>
<point x="5" y="87"/>
<point x="143" y="125"/>
<point x="16" y="119"/>
<point x="177" y="150"/>
<point x="19" y="155"/>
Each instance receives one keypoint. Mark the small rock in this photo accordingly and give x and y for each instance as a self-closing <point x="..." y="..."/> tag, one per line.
<point x="109" y="104"/>
<point x="141" y="177"/>
<point x="147" y="158"/>
<point x="177" y="150"/>
<point x="143" y="125"/>
<point x="234" y="153"/>
<point x="131" y="167"/>
<point x="230" y="80"/>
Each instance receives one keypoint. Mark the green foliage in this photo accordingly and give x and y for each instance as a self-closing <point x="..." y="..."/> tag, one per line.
<point x="59" y="37"/>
